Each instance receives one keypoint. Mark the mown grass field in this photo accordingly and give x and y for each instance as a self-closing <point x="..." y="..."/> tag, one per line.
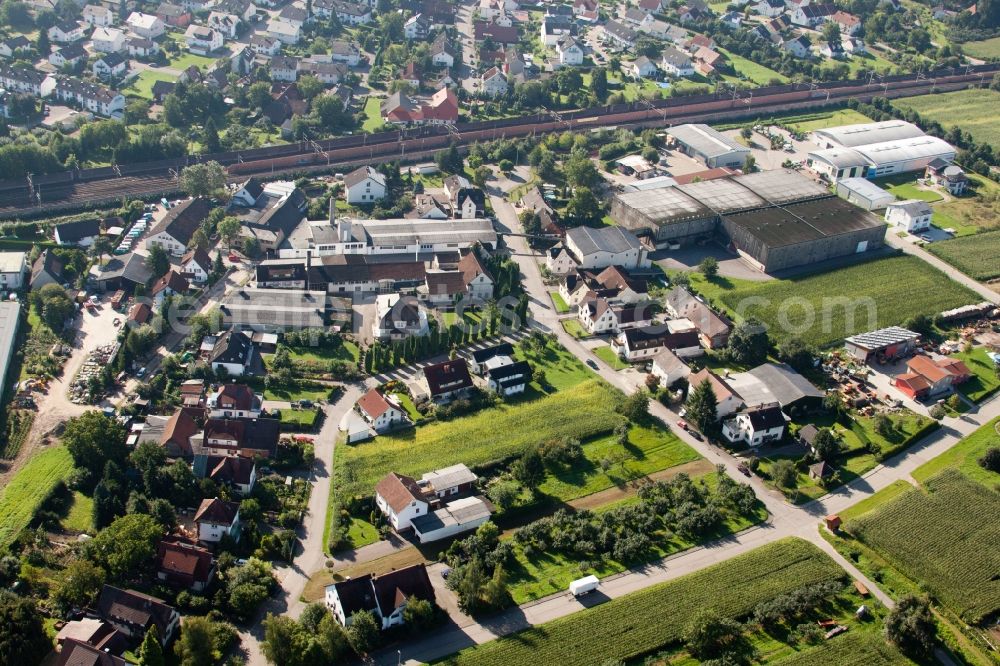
<point x="373" y="115"/>
<point x="963" y="457"/>
<point x="562" y="369"/>
<point x="985" y="381"/>
<point x="972" y="110"/>
<point x="756" y="72"/>
<point x="29" y="488"/>
<point x="806" y="122"/>
<point x="978" y="256"/>
<point x="493" y="434"/>
<point x="606" y="354"/>
<point x="142" y="85"/>
<point x="904" y="191"/>
<point x="656" y="617"/>
<point x="559" y="302"/>
<point x="824" y="308"/>
<point x="79" y="518"/>
<point x="944" y="536"/>
<point x="986" y="48"/>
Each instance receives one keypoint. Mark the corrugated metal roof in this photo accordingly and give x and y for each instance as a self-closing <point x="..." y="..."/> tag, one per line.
<point x="705" y="140"/>
<point x="782" y="186"/>
<point x="852" y="136"/>
<point x="665" y="205"/>
<point x="907" y="149"/>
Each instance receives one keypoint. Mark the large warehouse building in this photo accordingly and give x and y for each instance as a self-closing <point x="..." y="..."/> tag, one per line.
<point x="775" y="220"/>
<point x="872" y="150"/>
<point x="714" y="148"/>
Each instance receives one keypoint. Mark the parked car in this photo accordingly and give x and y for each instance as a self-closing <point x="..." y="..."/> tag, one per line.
<point x="682" y="424"/>
<point x="592" y="364"/>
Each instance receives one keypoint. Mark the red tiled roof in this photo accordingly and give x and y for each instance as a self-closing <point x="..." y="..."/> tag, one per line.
<point x="216" y="511"/>
<point x="374" y="404"/>
<point x="398" y="490"/>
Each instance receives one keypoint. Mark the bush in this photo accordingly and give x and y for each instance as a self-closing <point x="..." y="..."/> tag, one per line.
<point x="991" y="459"/>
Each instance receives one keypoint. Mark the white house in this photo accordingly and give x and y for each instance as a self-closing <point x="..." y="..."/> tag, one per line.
<point x="145" y="25"/>
<point x="217" y="519"/>
<point x="912" y="215"/>
<point x="227" y="24"/>
<point x="756" y="425"/>
<point x="676" y="63"/>
<point x="455" y="517"/>
<point x="494" y="83"/>
<point x="559" y="261"/>
<point x="644" y="68"/>
<point x="13" y="268"/>
<point x="110" y="66"/>
<point x="397" y="318"/>
<point x="93" y="97"/>
<point x="231" y="352"/>
<point x="284" y="31"/>
<point x="442" y="54"/>
<point x="202" y="40"/>
<point x="364" y="185"/>
<point x="108" y="40"/>
<point x="384" y="596"/>
<point x="727" y="400"/>
<point x="478" y="281"/>
<point x="400" y="499"/>
<point x="669" y="368"/>
<point x="265" y="45"/>
<point x="606" y="246"/>
<point x="345" y="52"/>
<point x="65" y="32"/>
<point x="598" y="316"/>
<point x="800" y="47"/>
<point x="98" y="15"/>
<point x="416" y="27"/>
<point x="569" y="51"/>
<point x="382" y="412"/>
<point x="812" y="15"/>
<point x="769" y="8"/>
<point x="507" y="377"/>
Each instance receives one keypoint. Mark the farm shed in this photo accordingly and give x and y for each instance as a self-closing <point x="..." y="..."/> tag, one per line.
<point x="454" y="518"/>
<point x="712" y="147"/>
<point x="864" y="193"/>
<point x="891" y="342"/>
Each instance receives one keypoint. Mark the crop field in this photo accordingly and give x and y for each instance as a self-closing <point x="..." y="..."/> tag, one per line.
<point x="855" y="648"/>
<point x="656" y="617"/>
<point x="823" y="308"/>
<point x="964" y="455"/>
<point x="493" y="434"/>
<point x="972" y="110"/>
<point x="975" y="255"/>
<point x="29" y="488"/>
<point x="945" y="538"/>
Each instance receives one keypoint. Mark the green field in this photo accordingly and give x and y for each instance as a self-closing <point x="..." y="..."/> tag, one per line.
<point x="972" y="110"/>
<point x="908" y="190"/>
<point x="963" y="456"/>
<point x="142" y="85"/>
<point x="80" y="516"/>
<point x="656" y="617"/>
<point x="606" y="354"/>
<point x="823" y="308"/>
<point x="757" y="73"/>
<point x="854" y="648"/>
<point x="986" y="381"/>
<point x="651" y="448"/>
<point x="806" y="122"/>
<point x="347" y="350"/>
<point x="493" y="434"/>
<point x="574" y="328"/>
<point x="29" y="488"/>
<point x="978" y="256"/>
<point x="946" y="537"/>
<point x="373" y="115"/>
<point x="294" y="392"/>
<point x="987" y="48"/>
<point x="298" y="419"/>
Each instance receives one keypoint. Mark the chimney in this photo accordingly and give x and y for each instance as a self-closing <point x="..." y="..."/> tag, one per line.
<point x="346" y="231"/>
<point x="333" y="210"/>
<point x="308" y="266"/>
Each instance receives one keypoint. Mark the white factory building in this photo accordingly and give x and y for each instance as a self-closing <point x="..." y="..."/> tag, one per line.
<point x="876" y="160"/>
<point x="862" y="134"/>
<point x="396" y="236"/>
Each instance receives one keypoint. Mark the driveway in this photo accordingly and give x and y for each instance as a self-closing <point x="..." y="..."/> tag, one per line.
<point x="688" y="259"/>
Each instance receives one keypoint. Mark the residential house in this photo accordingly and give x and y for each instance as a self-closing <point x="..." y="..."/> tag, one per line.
<point x="284" y="68"/>
<point x="727" y="400"/>
<point x="400" y="499"/>
<point x="97" y="16"/>
<point x="107" y="40"/>
<point x="654" y="6"/>
<point x="442" y="53"/>
<point x="67" y="31"/>
<point x="493" y="82"/>
<point x="569" y="50"/>
<point x="217" y="519"/>
<point x="245" y="437"/>
<point x="161" y="89"/>
<point x="398" y="317"/>
<point x="234" y="472"/>
<point x="832" y="49"/>
<point x="93" y="97"/>
<point x="226" y="24"/>
<point x="468" y="203"/>
<point x="554" y="28"/>
<point x="196" y="265"/>
<point x="799" y="47"/>
<point x="638" y="344"/>
<point x="911" y="215"/>
<point x="813" y="15"/>
<point x="265" y="45"/>
<point x="183" y="563"/>
<point x="364" y="185"/>
<point x="140" y="47"/>
<point x="47" y="269"/>
<point x="294" y="14"/>
<point x="13" y="268"/>
<point x="381" y="411"/>
<point x="620" y="34"/>
<point x="607" y="246"/>
<point x="385" y="596"/>
<point x="134" y="613"/>
<point x="173" y="15"/>
<point x="713" y="329"/>
<point x="234" y="401"/>
<point x="733" y="20"/>
<point x="849" y="23"/>
<point x="644" y="68"/>
<point x="599" y="316"/>
<point x="448" y="380"/>
<point x="477" y="281"/>
<point x="330" y="73"/>
<point x="14" y="45"/>
<point x="442" y="109"/>
<point x="80" y="233"/>
<point x="926" y="377"/>
<point x="668" y="367"/>
<point x="345" y="52"/>
<point x="947" y="175"/>
<point x="174" y="232"/>
<point x="233" y="352"/>
<point x="412" y="74"/>
<point x="416" y="27"/>
<point x="635" y="16"/>
<point x="675" y="62"/>
<point x="110" y="66"/>
<point x="507" y="377"/>
<point x="559" y="261"/>
<point x="170" y="284"/>
<point x="350" y="13"/>
<point x="202" y="40"/>
<point x="244" y="9"/>
<point x="586" y="10"/>
<point x="22" y="79"/>
<point x="145" y="25"/>
<point x="769" y="8"/>
<point x="756" y="425"/>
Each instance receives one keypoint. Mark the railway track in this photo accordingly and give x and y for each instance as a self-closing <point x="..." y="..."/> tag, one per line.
<point x="28" y="196"/>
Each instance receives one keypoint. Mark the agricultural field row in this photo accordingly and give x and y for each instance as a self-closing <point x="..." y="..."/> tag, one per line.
<point x="975" y="255"/>
<point x="656" y="617"/>
<point x="493" y="434"/>
<point x="964" y="456"/>
<point x="973" y="110"/>
<point x="944" y="536"/>
<point x="855" y="648"/>
<point x="29" y="488"/>
<point x="823" y="308"/>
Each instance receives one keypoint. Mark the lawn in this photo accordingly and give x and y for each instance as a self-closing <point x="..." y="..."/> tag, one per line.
<point x="29" y="488"/>
<point x="406" y="402"/>
<point x="346" y="350"/>
<point x="574" y="328"/>
<point x="490" y="435"/>
<point x="975" y="255"/>
<point x="562" y="369"/>
<point x="823" y="308"/>
<point x="650" y="449"/>
<point x="964" y="456"/>
<point x="80" y="515"/>
<point x="606" y="354"/>
<point x="756" y="72"/>
<point x="373" y="115"/>
<point x="910" y="191"/>
<point x="142" y="85"/>
<point x="975" y="211"/>
<point x="807" y="122"/>
<point x="944" y="536"/>
<point x="986" y="381"/>
<point x="972" y="110"/>
<point x="293" y="420"/>
<point x="884" y="496"/>
<point x="559" y="302"/>
<point x="185" y="60"/>
<point x="657" y="617"/>
<point x="294" y="392"/>
<point x="987" y="48"/>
